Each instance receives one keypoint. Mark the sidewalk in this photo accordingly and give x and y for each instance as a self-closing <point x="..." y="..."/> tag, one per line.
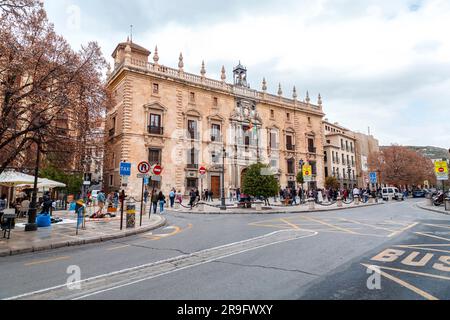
<point x="427" y="206"/>
<point x="64" y="234"/>
<point x="277" y="208"/>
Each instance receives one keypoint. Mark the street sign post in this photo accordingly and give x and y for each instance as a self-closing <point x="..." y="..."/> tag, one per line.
<point x="202" y="171"/>
<point x="157" y="170"/>
<point x="307" y="173"/>
<point x="125" y="169"/>
<point x="144" y="168"/>
<point x="373" y="178"/>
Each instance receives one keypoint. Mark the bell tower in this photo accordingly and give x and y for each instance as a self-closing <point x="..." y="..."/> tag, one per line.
<point x="240" y="76"/>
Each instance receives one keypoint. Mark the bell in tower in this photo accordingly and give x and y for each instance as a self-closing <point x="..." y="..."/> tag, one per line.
<point x="240" y="76"/>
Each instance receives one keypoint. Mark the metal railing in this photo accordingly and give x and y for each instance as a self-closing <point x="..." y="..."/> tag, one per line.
<point x="155" y="130"/>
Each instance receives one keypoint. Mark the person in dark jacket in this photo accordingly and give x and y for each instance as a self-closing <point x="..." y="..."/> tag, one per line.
<point x="162" y="202"/>
<point x="155" y="199"/>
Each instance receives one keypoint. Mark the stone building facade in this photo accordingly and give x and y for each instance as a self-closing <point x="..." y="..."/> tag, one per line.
<point x="340" y="154"/>
<point x="365" y="145"/>
<point x="183" y="121"/>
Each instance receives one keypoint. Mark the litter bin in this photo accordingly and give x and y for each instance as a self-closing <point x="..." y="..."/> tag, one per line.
<point x="131" y="214"/>
<point x="447" y="204"/>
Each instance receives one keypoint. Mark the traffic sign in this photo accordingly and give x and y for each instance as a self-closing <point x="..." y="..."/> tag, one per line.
<point x="307" y="173"/>
<point x="441" y="170"/>
<point x="125" y="169"/>
<point x="146" y="180"/>
<point x="202" y="171"/>
<point x="373" y="177"/>
<point x="144" y="167"/>
<point x="157" y="170"/>
<point x="143" y="176"/>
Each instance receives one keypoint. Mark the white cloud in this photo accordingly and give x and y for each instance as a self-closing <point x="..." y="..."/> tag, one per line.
<point x="383" y="64"/>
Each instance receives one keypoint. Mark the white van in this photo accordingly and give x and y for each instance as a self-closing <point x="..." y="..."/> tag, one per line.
<point x="392" y="193"/>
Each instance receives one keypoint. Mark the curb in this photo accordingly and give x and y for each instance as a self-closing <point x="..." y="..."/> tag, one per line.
<point x="425" y="207"/>
<point x="277" y="212"/>
<point x="79" y="242"/>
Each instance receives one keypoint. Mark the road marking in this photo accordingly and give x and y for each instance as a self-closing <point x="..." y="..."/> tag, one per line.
<point x="431" y="236"/>
<point x="438" y="225"/>
<point x="402" y="230"/>
<point x="291" y="224"/>
<point x="404" y="284"/>
<point x="422" y="248"/>
<point x="35" y="263"/>
<point x="366" y="224"/>
<point x="416" y="273"/>
<point x="428" y="245"/>
<point x="117" y="248"/>
<point x="329" y="225"/>
<point x="123" y="278"/>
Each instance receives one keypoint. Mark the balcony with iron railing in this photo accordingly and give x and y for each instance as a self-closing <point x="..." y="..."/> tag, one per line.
<point x="193" y="135"/>
<point x="290" y="147"/>
<point x="312" y="150"/>
<point x="192" y="166"/>
<point x="216" y="138"/>
<point x="112" y="132"/>
<point x="155" y="130"/>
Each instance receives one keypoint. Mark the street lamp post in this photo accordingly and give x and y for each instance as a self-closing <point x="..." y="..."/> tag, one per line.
<point x="349" y="169"/>
<point x="32" y="226"/>
<point x="302" y="163"/>
<point x="223" y="205"/>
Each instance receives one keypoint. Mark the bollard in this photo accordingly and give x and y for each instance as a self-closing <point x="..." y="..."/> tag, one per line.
<point x="339" y="202"/>
<point x="312" y="204"/>
<point x="371" y="200"/>
<point x="201" y="207"/>
<point x="258" y="205"/>
<point x="447" y="204"/>
<point x="356" y="200"/>
<point x="431" y="202"/>
<point x="131" y="214"/>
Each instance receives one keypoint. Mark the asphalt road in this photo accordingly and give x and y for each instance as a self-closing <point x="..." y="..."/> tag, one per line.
<point x="252" y="257"/>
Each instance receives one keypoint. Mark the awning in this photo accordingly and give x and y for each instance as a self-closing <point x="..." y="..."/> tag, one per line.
<point x="11" y="178"/>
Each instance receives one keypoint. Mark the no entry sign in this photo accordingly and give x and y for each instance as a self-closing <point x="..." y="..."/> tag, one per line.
<point x="157" y="170"/>
<point x="202" y="171"/>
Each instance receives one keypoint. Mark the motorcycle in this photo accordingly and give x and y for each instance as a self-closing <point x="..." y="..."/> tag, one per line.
<point x="439" y="199"/>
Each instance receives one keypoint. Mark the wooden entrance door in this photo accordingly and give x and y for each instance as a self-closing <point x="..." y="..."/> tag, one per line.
<point x="215" y="187"/>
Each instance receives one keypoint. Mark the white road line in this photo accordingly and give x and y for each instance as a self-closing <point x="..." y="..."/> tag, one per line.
<point x="22" y="296"/>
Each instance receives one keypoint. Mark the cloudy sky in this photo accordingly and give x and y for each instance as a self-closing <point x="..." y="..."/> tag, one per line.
<point x="383" y="64"/>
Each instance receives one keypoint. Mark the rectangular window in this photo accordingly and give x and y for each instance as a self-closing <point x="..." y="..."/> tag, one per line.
<point x="343" y="173"/>
<point x="192" y="129"/>
<point x="289" y="144"/>
<point x="155" y="88"/>
<point x="112" y="131"/>
<point x="346" y="146"/>
<point x="351" y="147"/>
<point x="273" y="141"/>
<point x="311" y="147"/>
<point x="155" y="124"/>
<point x="342" y="144"/>
<point x="192" y="97"/>
<point x="288" y="116"/>
<point x="192" y="162"/>
<point x="154" y="156"/>
<point x="215" y="102"/>
<point x="353" y="161"/>
<point x="343" y="159"/>
<point x="215" y="133"/>
<point x="191" y="184"/>
<point x="272" y="114"/>
<point x="290" y="166"/>
<point x="313" y="167"/>
<point x="111" y="180"/>
<point x="326" y="172"/>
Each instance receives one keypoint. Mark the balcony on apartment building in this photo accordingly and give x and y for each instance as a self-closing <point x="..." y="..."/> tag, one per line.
<point x="290" y="147"/>
<point x="156" y="130"/>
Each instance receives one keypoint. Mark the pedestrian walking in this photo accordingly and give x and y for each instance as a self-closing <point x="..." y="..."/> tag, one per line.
<point x="172" y="196"/>
<point x="179" y="197"/>
<point x="192" y="197"/>
<point x="146" y="193"/>
<point x="238" y="194"/>
<point x="162" y="202"/>
<point x="155" y="199"/>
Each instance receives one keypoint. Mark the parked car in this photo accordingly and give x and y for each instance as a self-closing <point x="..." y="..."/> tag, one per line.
<point x="419" y="194"/>
<point x="392" y="193"/>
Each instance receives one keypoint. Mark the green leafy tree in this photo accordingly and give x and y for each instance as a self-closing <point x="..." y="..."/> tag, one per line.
<point x="260" y="182"/>
<point x="300" y="179"/>
<point x="331" y="183"/>
<point x="74" y="182"/>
